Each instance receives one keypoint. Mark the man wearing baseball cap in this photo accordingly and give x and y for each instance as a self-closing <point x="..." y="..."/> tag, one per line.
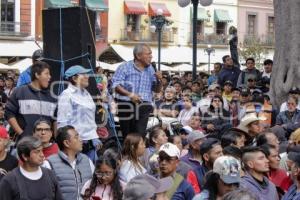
<point x="195" y="139"/>
<point x="7" y="162"/>
<point x="226" y="175"/>
<point x="135" y="188"/>
<point x="168" y="160"/>
<point x="25" y="76"/>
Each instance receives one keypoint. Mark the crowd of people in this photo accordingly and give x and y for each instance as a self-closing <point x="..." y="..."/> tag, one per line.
<point x="217" y="138"/>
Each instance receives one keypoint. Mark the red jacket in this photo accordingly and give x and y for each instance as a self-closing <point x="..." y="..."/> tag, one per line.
<point x="280" y="178"/>
<point x="192" y="179"/>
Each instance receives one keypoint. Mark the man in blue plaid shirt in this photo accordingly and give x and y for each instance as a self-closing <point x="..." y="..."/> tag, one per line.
<point x="134" y="82"/>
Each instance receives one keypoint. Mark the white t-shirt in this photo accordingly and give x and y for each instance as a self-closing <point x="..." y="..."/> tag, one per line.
<point x="128" y="171"/>
<point x="32" y="175"/>
<point x="185" y="115"/>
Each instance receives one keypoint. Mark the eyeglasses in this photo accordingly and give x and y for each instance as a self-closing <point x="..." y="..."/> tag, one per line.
<point x="43" y="129"/>
<point x="104" y="174"/>
<point x="166" y="158"/>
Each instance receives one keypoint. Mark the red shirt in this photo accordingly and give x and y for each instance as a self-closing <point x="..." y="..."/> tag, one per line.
<point x="280" y="178"/>
<point x="52" y="149"/>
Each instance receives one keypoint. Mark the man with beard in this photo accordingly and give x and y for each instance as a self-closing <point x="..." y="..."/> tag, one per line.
<point x="292" y="193"/>
<point x="256" y="165"/>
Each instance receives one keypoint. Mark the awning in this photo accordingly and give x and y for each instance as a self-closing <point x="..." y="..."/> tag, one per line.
<point x="153" y="7"/>
<point x="97" y="5"/>
<point x="134" y="8"/>
<point x="12" y="48"/>
<point x="58" y="3"/>
<point x="4" y="67"/>
<point x="22" y="65"/>
<point x="222" y="16"/>
<point x="201" y="14"/>
<point x="171" y="54"/>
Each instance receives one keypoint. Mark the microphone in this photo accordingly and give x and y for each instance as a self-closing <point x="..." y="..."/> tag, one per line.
<point x="154" y="66"/>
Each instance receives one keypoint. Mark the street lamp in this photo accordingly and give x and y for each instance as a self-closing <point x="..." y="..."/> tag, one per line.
<point x="158" y="22"/>
<point x="209" y="50"/>
<point x="184" y="3"/>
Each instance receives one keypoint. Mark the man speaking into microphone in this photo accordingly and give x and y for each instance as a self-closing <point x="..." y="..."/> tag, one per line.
<point x="133" y="83"/>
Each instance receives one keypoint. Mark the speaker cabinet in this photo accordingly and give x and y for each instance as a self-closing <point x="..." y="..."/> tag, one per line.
<point x="67" y="36"/>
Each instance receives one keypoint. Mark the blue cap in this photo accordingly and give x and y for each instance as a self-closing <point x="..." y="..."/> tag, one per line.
<point x="76" y="69"/>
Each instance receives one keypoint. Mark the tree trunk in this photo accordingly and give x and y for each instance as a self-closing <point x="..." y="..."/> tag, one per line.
<point x="286" y="69"/>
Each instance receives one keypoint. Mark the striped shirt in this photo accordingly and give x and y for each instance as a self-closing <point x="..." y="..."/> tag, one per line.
<point x="28" y="105"/>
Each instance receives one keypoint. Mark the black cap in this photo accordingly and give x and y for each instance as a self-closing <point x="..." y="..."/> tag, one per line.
<point x="295" y="157"/>
<point x="11" y="78"/>
<point x="37" y="55"/>
<point x="228" y="83"/>
<point x="245" y="91"/>
<point x="208" y="145"/>
<point x="294" y="90"/>
<point x="257" y="91"/>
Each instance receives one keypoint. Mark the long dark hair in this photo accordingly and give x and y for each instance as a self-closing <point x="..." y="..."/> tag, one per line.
<point x="130" y="147"/>
<point x="211" y="184"/>
<point x="115" y="184"/>
<point x="153" y="135"/>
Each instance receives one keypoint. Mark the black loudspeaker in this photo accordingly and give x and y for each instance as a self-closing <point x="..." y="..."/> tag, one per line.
<point x="68" y="35"/>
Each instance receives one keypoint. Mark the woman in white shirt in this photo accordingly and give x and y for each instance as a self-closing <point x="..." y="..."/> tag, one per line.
<point x="188" y="110"/>
<point x="105" y="184"/>
<point x="134" y="147"/>
<point x="77" y="108"/>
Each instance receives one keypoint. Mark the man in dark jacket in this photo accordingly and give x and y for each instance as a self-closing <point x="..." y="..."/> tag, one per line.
<point x="30" y="181"/>
<point x="249" y="72"/>
<point x="229" y="72"/>
<point x="31" y="102"/>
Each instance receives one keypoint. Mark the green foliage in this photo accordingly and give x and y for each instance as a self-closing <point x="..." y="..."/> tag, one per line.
<point x="255" y="48"/>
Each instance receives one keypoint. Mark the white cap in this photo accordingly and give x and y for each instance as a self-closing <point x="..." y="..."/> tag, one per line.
<point x="170" y="149"/>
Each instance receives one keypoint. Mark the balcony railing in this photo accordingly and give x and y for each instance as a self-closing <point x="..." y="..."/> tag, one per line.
<point x="213" y="39"/>
<point x="265" y="40"/>
<point x="16" y="29"/>
<point x="146" y="36"/>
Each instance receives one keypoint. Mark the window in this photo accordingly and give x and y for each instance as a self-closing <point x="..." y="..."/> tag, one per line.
<point x="132" y="22"/>
<point x="97" y="26"/>
<point x="199" y="27"/>
<point x="271" y="22"/>
<point x="7" y="15"/>
<point x="251" y="24"/>
<point x="221" y="28"/>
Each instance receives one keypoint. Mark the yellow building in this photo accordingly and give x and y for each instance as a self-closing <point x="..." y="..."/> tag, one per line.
<point x="129" y="22"/>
